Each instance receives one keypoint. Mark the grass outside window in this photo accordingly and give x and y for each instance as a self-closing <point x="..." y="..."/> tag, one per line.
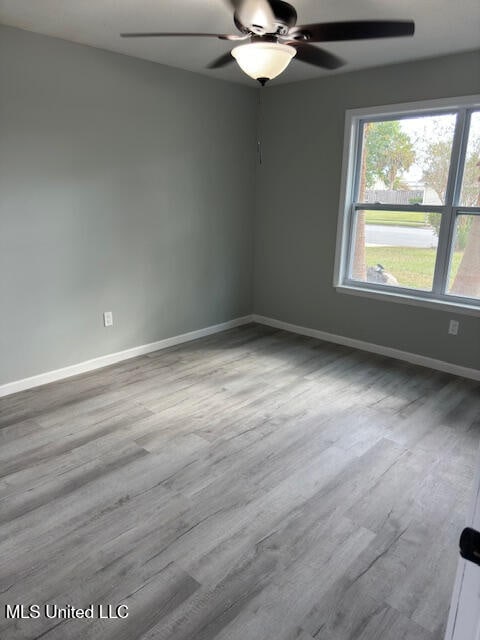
<point x="413" y="268"/>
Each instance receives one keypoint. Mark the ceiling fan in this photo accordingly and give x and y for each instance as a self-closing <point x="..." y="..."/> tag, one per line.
<point x="271" y="38"/>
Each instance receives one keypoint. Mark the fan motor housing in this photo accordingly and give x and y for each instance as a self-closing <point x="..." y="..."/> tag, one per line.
<point x="285" y="19"/>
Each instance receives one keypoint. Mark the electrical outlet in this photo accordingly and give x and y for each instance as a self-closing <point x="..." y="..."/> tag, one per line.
<point x="107" y="318"/>
<point x="453" y="327"/>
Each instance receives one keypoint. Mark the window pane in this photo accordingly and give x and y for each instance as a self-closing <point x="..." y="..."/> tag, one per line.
<point x="395" y="248"/>
<point x="464" y="278"/>
<point x="406" y="161"/>
<point x="470" y="185"/>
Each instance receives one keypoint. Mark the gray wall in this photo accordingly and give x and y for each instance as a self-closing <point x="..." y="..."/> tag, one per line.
<point x="122" y="188"/>
<point x="298" y="188"/>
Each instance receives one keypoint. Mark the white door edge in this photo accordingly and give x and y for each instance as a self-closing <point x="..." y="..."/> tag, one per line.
<point x="464" y="618"/>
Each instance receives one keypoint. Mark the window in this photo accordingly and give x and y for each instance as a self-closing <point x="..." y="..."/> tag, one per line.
<point x="410" y="213"/>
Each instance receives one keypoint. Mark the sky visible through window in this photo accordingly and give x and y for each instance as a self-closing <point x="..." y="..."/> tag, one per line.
<point x="425" y="130"/>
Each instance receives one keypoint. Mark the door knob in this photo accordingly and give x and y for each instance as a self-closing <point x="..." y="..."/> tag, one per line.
<point x="470" y="545"/>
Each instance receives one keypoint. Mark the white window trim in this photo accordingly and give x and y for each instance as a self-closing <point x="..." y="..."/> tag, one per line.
<point x="350" y="149"/>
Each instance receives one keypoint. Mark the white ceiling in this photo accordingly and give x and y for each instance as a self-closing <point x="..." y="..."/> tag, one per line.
<point x="442" y="26"/>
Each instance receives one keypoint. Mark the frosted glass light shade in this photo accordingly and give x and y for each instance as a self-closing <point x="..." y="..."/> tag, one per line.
<point x="263" y="60"/>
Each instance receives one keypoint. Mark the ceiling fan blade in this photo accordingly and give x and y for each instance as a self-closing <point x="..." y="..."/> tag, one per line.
<point x="255" y="12"/>
<point x="354" y="30"/>
<point x="220" y="36"/>
<point x="316" y="56"/>
<point x="221" y="61"/>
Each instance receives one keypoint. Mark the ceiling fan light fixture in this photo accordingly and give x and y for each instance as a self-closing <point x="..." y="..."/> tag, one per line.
<point x="263" y="61"/>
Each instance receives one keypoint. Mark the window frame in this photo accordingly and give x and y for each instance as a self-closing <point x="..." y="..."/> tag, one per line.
<point x="353" y="136"/>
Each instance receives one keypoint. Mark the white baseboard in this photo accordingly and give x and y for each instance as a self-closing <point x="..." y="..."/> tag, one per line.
<point x="414" y="358"/>
<point x="112" y="358"/>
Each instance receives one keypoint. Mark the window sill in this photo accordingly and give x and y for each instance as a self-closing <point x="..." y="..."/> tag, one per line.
<point x="415" y="301"/>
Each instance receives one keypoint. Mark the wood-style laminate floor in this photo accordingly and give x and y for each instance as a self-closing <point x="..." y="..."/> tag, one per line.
<point x="254" y="485"/>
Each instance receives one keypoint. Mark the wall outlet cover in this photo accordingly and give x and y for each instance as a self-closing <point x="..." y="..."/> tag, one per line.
<point x="453" y="327"/>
